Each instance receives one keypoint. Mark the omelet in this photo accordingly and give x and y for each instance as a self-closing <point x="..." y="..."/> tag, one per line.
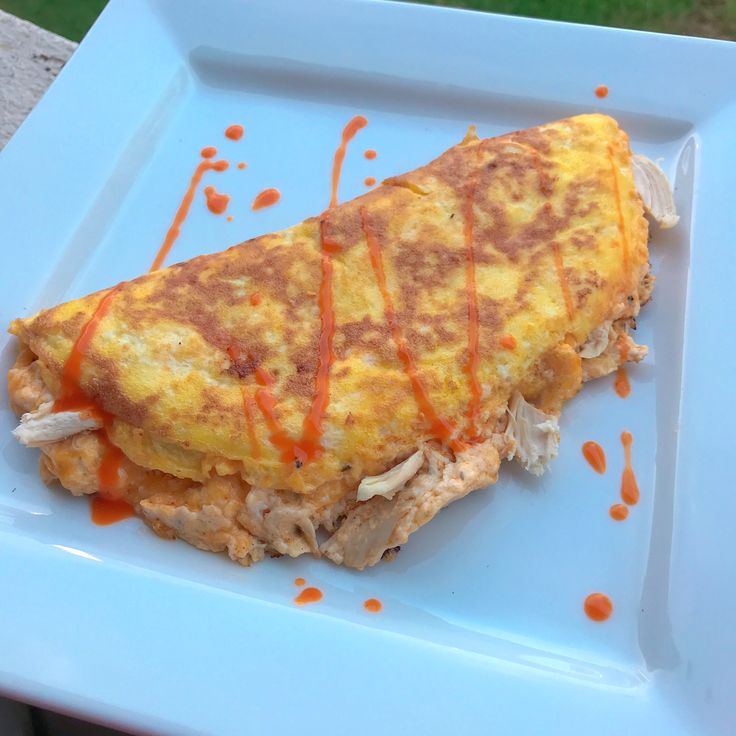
<point x="353" y="374"/>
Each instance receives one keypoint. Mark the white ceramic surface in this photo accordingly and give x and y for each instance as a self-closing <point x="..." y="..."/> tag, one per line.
<point x="482" y="629"/>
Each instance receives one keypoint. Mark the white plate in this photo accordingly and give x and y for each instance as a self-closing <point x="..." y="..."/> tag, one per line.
<point x="482" y="629"/>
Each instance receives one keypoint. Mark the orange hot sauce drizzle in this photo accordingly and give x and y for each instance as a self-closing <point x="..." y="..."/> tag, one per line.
<point x="629" y="486"/>
<point x="248" y="405"/>
<point x="308" y="446"/>
<point x="266" y="198"/>
<point x="621" y="383"/>
<point x="308" y="595"/>
<point x="216" y="201"/>
<point x="373" y="605"/>
<point x="348" y="133"/>
<point x="618" y="511"/>
<point x="183" y="210"/>
<point x="109" y="510"/>
<point x="601" y="90"/>
<point x="234" y="132"/>
<point x="560" y="268"/>
<point x="440" y="427"/>
<point x="508" y="342"/>
<point x="471" y="366"/>
<point x="310" y="443"/>
<point x="108" y="472"/>
<point x="267" y="404"/>
<point x="621" y="224"/>
<point x="598" y="606"/>
<point x="369" y="153"/>
<point x="255" y="298"/>
<point x="595" y="456"/>
<point x="208" y="152"/>
<point x="72" y="398"/>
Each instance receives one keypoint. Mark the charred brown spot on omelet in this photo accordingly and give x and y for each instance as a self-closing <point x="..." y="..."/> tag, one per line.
<point x="177" y="345"/>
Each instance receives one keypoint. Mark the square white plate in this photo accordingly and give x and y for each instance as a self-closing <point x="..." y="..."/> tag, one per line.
<point x="482" y="629"/>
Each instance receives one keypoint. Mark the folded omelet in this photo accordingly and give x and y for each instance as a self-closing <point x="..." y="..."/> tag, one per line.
<point x="358" y="371"/>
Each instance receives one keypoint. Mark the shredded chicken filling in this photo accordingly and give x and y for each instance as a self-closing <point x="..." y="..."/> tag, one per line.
<point x="224" y="513"/>
<point x="655" y="191"/>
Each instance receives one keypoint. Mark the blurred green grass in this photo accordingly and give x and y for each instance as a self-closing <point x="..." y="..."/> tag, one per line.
<point x="69" y="18"/>
<point x="709" y="18"/>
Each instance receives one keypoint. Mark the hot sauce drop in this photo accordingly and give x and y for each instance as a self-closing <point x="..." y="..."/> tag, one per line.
<point x="601" y="90"/>
<point x="598" y="606"/>
<point x="242" y="164"/>
<point x="234" y="132"/>
<point x="308" y="595"/>
<point x="508" y="342"/>
<point x="266" y="198"/>
<point x="208" y="152"/>
<point x="369" y="181"/>
<point x="621" y="383"/>
<point x="618" y="511"/>
<point x="629" y="486"/>
<point x="216" y="201"/>
<point x="107" y="510"/>
<point x="299" y="581"/>
<point x="373" y="605"/>
<point x="348" y="134"/>
<point x="183" y="210"/>
<point x="369" y="153"/>
<point x="595" y="456"/>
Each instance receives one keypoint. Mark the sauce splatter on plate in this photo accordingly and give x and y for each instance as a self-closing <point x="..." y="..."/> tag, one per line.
<point x="629" y="486"/>
<point x="619" y="511"/>
<point x="598" y="606"/>
<point x="234" y="132"/>
<point x="107" y="510"/>
<point x="373" y="605"/>
<point x="308" y="595"/>
<point x="595" y="456"/>
<point x="266" y="198"/>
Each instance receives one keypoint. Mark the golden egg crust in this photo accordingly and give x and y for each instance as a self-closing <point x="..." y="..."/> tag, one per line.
<point x="557" y="237"/>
